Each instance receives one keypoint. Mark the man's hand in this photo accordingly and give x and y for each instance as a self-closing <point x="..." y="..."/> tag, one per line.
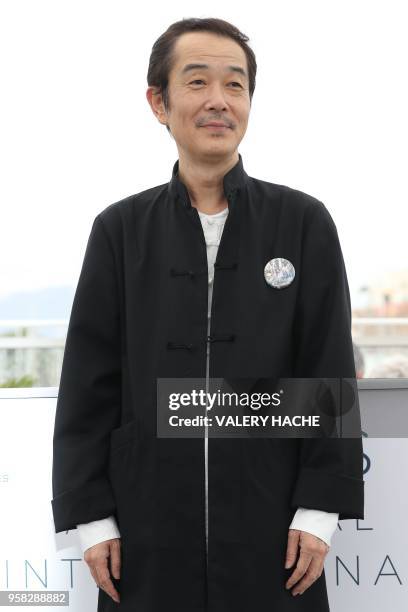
<point x="97" y="559"/>
<point x="309" y="567"/>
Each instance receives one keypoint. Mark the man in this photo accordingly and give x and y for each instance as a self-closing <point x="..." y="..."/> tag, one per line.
<point x="174" y="284"/>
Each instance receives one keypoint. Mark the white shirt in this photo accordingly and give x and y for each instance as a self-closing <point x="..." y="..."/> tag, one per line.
<point x="317" y="522"/>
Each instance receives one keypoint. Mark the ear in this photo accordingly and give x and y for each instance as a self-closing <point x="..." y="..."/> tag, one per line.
<point x="155" y="99"/>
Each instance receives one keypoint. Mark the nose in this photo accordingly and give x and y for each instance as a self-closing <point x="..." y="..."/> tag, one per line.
<point x="216" y="98"/>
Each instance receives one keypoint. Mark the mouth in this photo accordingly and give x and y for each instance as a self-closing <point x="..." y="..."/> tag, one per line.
<point x="216" y="126"/>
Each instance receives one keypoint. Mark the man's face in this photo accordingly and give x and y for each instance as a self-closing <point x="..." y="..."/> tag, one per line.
<point x="215" y="92"/>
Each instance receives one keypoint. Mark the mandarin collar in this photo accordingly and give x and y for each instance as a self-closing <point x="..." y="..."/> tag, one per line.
<point x="233" y="181"/>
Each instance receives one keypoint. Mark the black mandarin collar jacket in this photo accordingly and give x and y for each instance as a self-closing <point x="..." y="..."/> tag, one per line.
<point x="140" y="313"/>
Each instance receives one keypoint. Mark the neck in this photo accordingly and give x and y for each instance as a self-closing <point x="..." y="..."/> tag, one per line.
<point x="204" y="181"/>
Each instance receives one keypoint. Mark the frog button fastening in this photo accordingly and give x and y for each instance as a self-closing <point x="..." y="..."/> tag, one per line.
<point x="279" y="272"/>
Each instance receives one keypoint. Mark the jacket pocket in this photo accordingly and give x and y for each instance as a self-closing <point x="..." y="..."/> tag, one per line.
<point x="123" y="435"/>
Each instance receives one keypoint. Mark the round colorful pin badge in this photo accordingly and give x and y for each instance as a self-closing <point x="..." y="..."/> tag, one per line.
<point x="279" y="272"/>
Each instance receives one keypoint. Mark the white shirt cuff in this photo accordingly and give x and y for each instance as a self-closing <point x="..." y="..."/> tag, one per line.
<point x="97" y="531"/>
<point x="317" y="522"/>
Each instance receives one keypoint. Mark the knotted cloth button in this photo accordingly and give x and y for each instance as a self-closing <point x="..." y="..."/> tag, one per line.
<point x="279" y="272"/>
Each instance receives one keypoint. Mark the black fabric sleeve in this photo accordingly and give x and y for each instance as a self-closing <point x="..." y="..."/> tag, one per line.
<point x="89" y="402"/>
<point x="330" y="476"/>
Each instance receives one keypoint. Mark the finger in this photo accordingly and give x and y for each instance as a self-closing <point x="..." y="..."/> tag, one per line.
<point x="301" y="567"/>
<point x="292" y="547"/>
<point x="104" y="580"/>
<point x="115" y="558"/>
<point x="314" y="572"/>
<point x="94" y="576"/>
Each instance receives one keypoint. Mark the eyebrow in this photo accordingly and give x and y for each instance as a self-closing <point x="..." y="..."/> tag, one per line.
<point x="189" y="67"/>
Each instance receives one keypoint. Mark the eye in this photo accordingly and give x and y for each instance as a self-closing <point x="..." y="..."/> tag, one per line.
<point x="201" y="81"/>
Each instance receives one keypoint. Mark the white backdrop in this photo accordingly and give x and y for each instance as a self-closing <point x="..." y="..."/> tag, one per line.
<point x="366" y="567"/>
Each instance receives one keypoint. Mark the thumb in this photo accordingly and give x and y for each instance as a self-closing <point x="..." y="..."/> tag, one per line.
<point x="292" y="547"/>
<point x="115" y="557"/>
